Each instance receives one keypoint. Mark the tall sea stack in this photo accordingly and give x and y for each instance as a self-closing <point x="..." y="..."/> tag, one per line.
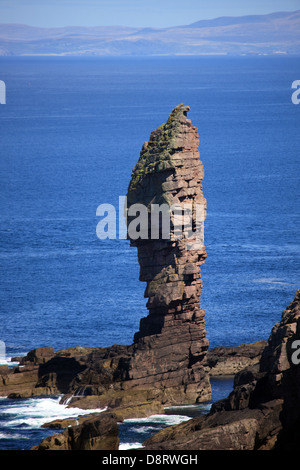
<point x="170" y="347"/>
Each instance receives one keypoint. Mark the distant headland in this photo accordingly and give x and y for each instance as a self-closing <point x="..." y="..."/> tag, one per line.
<point x="274" y="33"/>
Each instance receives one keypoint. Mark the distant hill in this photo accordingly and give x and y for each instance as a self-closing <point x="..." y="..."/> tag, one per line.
<point x="273" y="33"/>
<point x="240" y="20"/>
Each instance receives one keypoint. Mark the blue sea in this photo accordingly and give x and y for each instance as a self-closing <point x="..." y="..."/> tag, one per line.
<point x="71" y="131"/>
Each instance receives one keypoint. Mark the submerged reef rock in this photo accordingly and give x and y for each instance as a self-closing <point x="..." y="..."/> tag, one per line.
<point x="263" y="410"/>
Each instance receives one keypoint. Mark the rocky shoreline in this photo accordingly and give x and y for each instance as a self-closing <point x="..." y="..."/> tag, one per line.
<point x="261" y="413"/>
<point x="263" y="410"/>
<point x="99" y="431"/>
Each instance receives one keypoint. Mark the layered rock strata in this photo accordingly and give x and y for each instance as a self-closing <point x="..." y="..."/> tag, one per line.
<point x="263" y="410"/>
<point x="229" y="360"/>
<point x="98" y="432"/>
<point x="170" y="347"/>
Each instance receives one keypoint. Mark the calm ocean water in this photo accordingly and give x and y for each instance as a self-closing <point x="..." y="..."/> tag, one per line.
<point x="71" y="132"/>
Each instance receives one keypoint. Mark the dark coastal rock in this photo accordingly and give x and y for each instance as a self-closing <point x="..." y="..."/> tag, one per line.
<point x="38" y="356"/>
<point x="263" y="410"/>
<point x="99" y="432"/>
<point x="124" y="403"/>
<point x="19" y="382"/>
<point x="42" y="372"/>
<point x="246" y="429"/>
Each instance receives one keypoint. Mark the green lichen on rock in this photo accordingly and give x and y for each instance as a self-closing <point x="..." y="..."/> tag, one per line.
<point x="156" y="155"/>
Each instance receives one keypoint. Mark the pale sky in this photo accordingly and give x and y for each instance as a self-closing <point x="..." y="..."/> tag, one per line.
<point x="143" y="13"/>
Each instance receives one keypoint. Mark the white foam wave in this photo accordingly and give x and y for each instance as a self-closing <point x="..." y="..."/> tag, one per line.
<point x="151" y="423"/>
<point x="165" y="420"/>
<point x="198" y="407"/>
<point x="130" y="445"/>
<point x="4" y="435"/>
<point x="143" y="429"/>
<point x="7" y="362"/>
<point x="272" y="280"/>
<point x="34" y="412"/>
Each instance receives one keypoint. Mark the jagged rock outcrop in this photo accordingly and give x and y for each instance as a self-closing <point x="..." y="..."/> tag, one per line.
<point x="263" y="410"/>
<point x="229" y="360"/>
<point x="42" y="372"/>
<point x="170" y="347"/>
<point x="235" y="430"/>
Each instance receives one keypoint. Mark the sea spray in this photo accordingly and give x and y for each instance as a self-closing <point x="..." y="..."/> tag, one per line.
<point x="21" y="420"/>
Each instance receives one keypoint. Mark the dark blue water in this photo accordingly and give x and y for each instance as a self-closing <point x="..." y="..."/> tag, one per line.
<point x="71" y="132"/>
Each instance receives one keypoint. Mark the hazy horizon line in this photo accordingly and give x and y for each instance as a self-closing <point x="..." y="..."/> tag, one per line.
<point x="151" y="27"/>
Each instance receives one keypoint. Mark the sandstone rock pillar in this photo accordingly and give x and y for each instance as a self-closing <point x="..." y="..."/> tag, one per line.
<point x="170" y="346"/>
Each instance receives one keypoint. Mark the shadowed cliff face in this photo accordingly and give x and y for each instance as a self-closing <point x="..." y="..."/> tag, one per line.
<point x="263" y="410"/>
<point x="167" y="179"/>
